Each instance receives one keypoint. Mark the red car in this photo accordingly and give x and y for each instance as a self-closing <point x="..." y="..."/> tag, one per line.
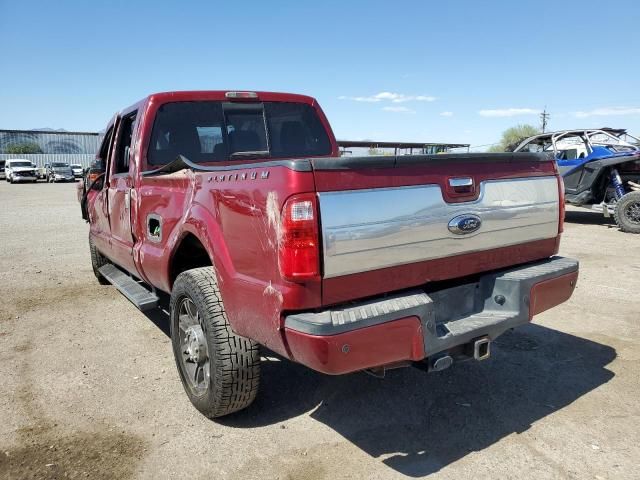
<point x="238" y="205"/>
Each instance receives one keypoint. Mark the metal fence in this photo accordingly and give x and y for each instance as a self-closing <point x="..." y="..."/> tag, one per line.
<point x="50" y="142"/>
<point x="40" y="159"/>
<point x="50" y="146"/>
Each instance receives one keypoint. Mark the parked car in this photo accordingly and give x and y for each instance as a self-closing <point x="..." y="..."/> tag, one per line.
<point x="601" y="171"/>
<point x="19" y="170"/>
<point x="59" y="172"/>
<point x="77" y="170"/>
<point x="2" y="174"/>
<point x="41" y="172"/>
<point x="238" y="205"/>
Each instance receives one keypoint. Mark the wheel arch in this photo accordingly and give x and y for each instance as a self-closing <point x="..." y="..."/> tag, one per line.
<point x="189" y="252"/>
<point x="200" y="229"/>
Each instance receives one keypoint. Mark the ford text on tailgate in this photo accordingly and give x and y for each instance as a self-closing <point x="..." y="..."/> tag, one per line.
<point x="238" y="205"/>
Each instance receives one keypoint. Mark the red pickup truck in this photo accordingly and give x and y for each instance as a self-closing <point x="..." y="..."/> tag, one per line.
<point x="238" y="205"/>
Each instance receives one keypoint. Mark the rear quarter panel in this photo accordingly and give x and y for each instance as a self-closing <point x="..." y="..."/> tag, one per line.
<point x="235" y="213"/>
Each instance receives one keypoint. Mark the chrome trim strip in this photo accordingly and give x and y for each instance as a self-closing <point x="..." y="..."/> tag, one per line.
<point x="370" y="229"/>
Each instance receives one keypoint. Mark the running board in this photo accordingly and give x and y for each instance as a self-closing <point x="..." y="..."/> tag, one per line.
<point x="134" y="291"/>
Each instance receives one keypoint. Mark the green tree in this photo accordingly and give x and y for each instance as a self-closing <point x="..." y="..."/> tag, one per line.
<point x="23" y="148"/>
<point x="511" y="137"/>
<point x="497" y="148"/>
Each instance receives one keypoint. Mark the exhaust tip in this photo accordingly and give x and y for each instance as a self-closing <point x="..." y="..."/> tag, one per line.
<point x="481" y="349"/>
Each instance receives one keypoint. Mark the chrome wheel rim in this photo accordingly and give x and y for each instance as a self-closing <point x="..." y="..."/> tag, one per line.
<point x="194" y="352"/>
<point x="632" y="212"/>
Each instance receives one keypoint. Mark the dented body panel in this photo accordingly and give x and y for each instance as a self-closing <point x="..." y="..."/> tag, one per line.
<point x="382" y="225"/>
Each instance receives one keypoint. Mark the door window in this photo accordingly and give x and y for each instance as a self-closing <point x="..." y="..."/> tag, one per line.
<point x="123" y="152"/>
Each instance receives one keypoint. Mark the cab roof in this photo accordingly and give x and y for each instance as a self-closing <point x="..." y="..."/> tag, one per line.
<point x="219" y="95"/>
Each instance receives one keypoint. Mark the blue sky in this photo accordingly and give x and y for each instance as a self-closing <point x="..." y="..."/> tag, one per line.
<point x="458" y="71"/>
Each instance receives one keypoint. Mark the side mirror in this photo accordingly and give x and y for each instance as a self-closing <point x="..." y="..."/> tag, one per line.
<point x="97" y="183"/>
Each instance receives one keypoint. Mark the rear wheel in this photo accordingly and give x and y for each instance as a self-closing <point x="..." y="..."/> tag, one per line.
<point x="219" y="370"/>
<point x="97" y="261"/>
<point x="627" y="213"/>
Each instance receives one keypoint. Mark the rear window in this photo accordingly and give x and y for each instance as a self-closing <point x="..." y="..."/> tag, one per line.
<point x="20" y="164"/>
<point x="216" y="131"/>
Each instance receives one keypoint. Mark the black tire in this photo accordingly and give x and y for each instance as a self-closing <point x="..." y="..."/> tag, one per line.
<point x="233" y="361"/>
<point x="97" y="261"/>
<point x="627" y="213"/>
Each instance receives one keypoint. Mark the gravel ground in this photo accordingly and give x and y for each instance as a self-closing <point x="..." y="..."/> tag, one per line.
<point x="89" y="387"/>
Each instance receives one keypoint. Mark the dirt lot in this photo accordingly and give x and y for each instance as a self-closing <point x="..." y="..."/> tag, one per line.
<point x="89" y="388"/>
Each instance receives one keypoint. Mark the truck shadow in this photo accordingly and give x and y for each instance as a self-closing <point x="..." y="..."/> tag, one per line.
<point x="418" y="423"/>
<point x="586" y="217"/>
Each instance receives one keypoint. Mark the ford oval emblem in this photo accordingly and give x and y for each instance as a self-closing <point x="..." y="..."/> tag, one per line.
<point x="464" y="224"/>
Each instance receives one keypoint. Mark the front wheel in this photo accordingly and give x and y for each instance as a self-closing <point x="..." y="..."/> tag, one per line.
<point x="220" y="370"/>
<point x="627" y="213"/>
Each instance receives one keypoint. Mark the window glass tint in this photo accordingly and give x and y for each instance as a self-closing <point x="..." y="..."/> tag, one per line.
<point x="212" y="131"/>
<point x="245" y="129"/>
<point x="209" y="137"/>
<point x="295" y="130"/>
<point x="124" y="143"/>
<point x="104" y="146"/>
<point x="192" y="129"/>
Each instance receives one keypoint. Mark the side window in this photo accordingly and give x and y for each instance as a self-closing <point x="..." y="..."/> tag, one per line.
<point x="123" y="152"/>
<point x="103" y="151"/>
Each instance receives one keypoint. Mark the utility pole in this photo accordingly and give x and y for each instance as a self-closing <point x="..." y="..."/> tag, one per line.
<point x="544" y="116"/>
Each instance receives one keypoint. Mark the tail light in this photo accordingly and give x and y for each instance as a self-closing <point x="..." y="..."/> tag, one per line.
<point x="299" y="245"/>
<point x="562" y="207"/>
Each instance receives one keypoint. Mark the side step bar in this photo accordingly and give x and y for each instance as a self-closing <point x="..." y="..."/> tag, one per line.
<point x="134" y="291"/>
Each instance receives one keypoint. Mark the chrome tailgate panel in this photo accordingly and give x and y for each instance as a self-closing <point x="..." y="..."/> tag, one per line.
<point x="365" y="230"/>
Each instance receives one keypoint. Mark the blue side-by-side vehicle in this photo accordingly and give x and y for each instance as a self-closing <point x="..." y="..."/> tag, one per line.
<point x="600" y="168"/>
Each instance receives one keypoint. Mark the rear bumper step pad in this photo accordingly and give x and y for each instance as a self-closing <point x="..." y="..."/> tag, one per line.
<point x="455" y="316"/>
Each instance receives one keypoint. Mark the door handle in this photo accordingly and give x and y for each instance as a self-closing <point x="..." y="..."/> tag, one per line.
<point x="127" y="200"/>
<point x="461" y="182"/>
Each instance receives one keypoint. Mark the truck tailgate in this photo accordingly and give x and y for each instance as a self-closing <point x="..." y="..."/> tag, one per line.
<point x="389" y="223"/>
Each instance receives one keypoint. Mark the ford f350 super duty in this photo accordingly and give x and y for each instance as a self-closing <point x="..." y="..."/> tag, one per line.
<point x="238" y="205"/>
